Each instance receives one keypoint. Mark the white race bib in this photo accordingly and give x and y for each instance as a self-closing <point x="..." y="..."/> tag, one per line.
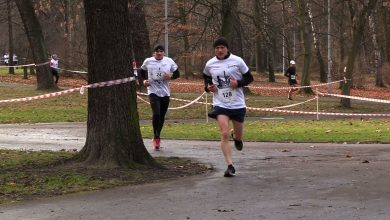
<point x="227" y="94"/>
<point x="292" y="76"/>
<point x="157" y="76"/>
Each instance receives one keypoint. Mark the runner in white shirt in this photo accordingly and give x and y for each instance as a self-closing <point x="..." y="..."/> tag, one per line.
<point x="224" y="76"/>
<point x="54" y="67"/>
<point x="156" y="72"/>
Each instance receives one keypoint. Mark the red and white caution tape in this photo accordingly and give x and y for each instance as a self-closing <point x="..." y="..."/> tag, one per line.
<point x="182" y="100"/>
<point x="317" y="113"/>
<point x="297" y="87"/>
<point x="356" y="97"/>
<point x="26" y="65"/>
<point x="268" y="88"/>
<point x="49" y="95"/>
<point x="139" y="97"/>
<point x="81" y="89"/>
<point x="188" y="104"/>
<point x="72" y="71"/>
<point x="111" y="82"/>
<point x="296" y="104"/>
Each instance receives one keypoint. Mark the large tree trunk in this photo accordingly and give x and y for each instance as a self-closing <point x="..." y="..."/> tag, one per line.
<point x="260" y="48"/>
<point x="10" y="39"/>
<point x="231" y="26"/>
<point x="68" y="38"/>
<point x="187" y="53"/>
<point x="113" y="133"/>
<point x="323" y="74"/>
<point x="377" y="52"/>
<point x="37" y="43"/>
<point x="305" y="33"/>
<point x="139" y="41"/>
<point x="358" y="29"/>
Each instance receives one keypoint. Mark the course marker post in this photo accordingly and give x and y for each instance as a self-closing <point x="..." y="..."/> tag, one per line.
<point x="207" y="118"/>
<point x="318" y="118"/>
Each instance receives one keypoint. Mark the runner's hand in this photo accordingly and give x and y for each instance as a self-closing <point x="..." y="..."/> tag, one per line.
<point x="167" y="76"/>
<point x="212" y="88"/>
<point x="233" y="83"/>
<point x="146" y="83"/>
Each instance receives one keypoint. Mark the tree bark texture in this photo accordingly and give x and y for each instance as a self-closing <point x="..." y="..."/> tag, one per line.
<point x="139" y="33"/>
<point x="358" y="29"/>
<point x="187" y="52"/>
<point x="37" y="43"/>
<point x="113" y="133"/>
<point x="11" y="52"/>
<point x="304" y="27"/>
<point x="231" y="26"/>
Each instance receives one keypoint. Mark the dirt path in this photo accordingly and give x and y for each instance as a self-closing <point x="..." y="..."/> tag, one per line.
<point x="274" y="181"/>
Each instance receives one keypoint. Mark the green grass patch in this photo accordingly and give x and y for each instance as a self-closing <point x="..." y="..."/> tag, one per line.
<point x="73" y="108"/>
<point x="341" y="130"/>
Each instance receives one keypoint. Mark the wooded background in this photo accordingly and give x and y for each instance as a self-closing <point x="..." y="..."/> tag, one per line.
<point x="266" y="33"/>
<point x="103" y="36"/>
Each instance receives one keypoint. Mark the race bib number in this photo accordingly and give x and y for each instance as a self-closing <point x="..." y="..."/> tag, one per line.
<point x="293" y="77"/>
<point x="157" y="76"/>
<point x="227" y="94"/>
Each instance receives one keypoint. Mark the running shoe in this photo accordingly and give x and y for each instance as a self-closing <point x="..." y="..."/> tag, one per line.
<point x="237" y="143"/>
<point x="156" y="143"/>
<point x="230" y="171"/>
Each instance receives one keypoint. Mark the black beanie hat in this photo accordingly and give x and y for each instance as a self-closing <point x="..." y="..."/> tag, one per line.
<point x="221" y="41"/>
<point x="158" y="47"/>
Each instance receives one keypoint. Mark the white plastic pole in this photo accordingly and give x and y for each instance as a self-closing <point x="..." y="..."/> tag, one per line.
<point x="318" y="118"/>
<point x="207" y="114"/>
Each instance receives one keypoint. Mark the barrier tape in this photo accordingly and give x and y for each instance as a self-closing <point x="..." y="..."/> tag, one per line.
<point x="26" y="65"/>
<point x="129" y="79"/>
<point x="356" y="97"/>
<point x="317" y="113"/>
<point x="139" y="97"/>
<point x="72" y="71"/>
<point x="269" y="88"/>
<point x="296" y="104"/>
<point x="81" y="89"/>
<point x="196" y="100"/>
<point x="297" y="87"/>
<point x="49" y="95"/>
<point x="294" y="112"/>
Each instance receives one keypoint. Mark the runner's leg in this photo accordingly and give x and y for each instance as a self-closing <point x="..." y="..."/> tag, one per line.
<point x="223" y="122"/>
<point x="155" y="105"/>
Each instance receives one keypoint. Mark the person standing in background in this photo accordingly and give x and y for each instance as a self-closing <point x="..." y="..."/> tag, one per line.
<point x="54" y="67"/>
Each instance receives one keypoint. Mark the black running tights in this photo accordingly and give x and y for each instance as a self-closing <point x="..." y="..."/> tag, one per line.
<point x="159" y="108"/>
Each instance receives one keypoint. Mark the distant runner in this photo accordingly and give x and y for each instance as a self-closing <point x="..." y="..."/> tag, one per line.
<point x="292" y="79"/>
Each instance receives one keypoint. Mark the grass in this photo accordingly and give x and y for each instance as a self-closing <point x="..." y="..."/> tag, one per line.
<point x="345" y="130"/>
<point x="73" y="108"/>
<point x="28" y="174"/>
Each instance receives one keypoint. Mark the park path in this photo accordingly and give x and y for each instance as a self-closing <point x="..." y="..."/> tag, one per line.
<point x="274" y="181"/>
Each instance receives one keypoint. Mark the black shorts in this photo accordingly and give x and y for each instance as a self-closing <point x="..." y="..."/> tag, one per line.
<point x="292" y="82"/>
<point x="233" y="114"/>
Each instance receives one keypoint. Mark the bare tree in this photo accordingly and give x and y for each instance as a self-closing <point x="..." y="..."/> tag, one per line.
<point x="113" y="133"/>
<point x="37" y="43"/>
<point x="358" y="26"/>
<point x="304" y="27"/>
<point x="10" y="38"/>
